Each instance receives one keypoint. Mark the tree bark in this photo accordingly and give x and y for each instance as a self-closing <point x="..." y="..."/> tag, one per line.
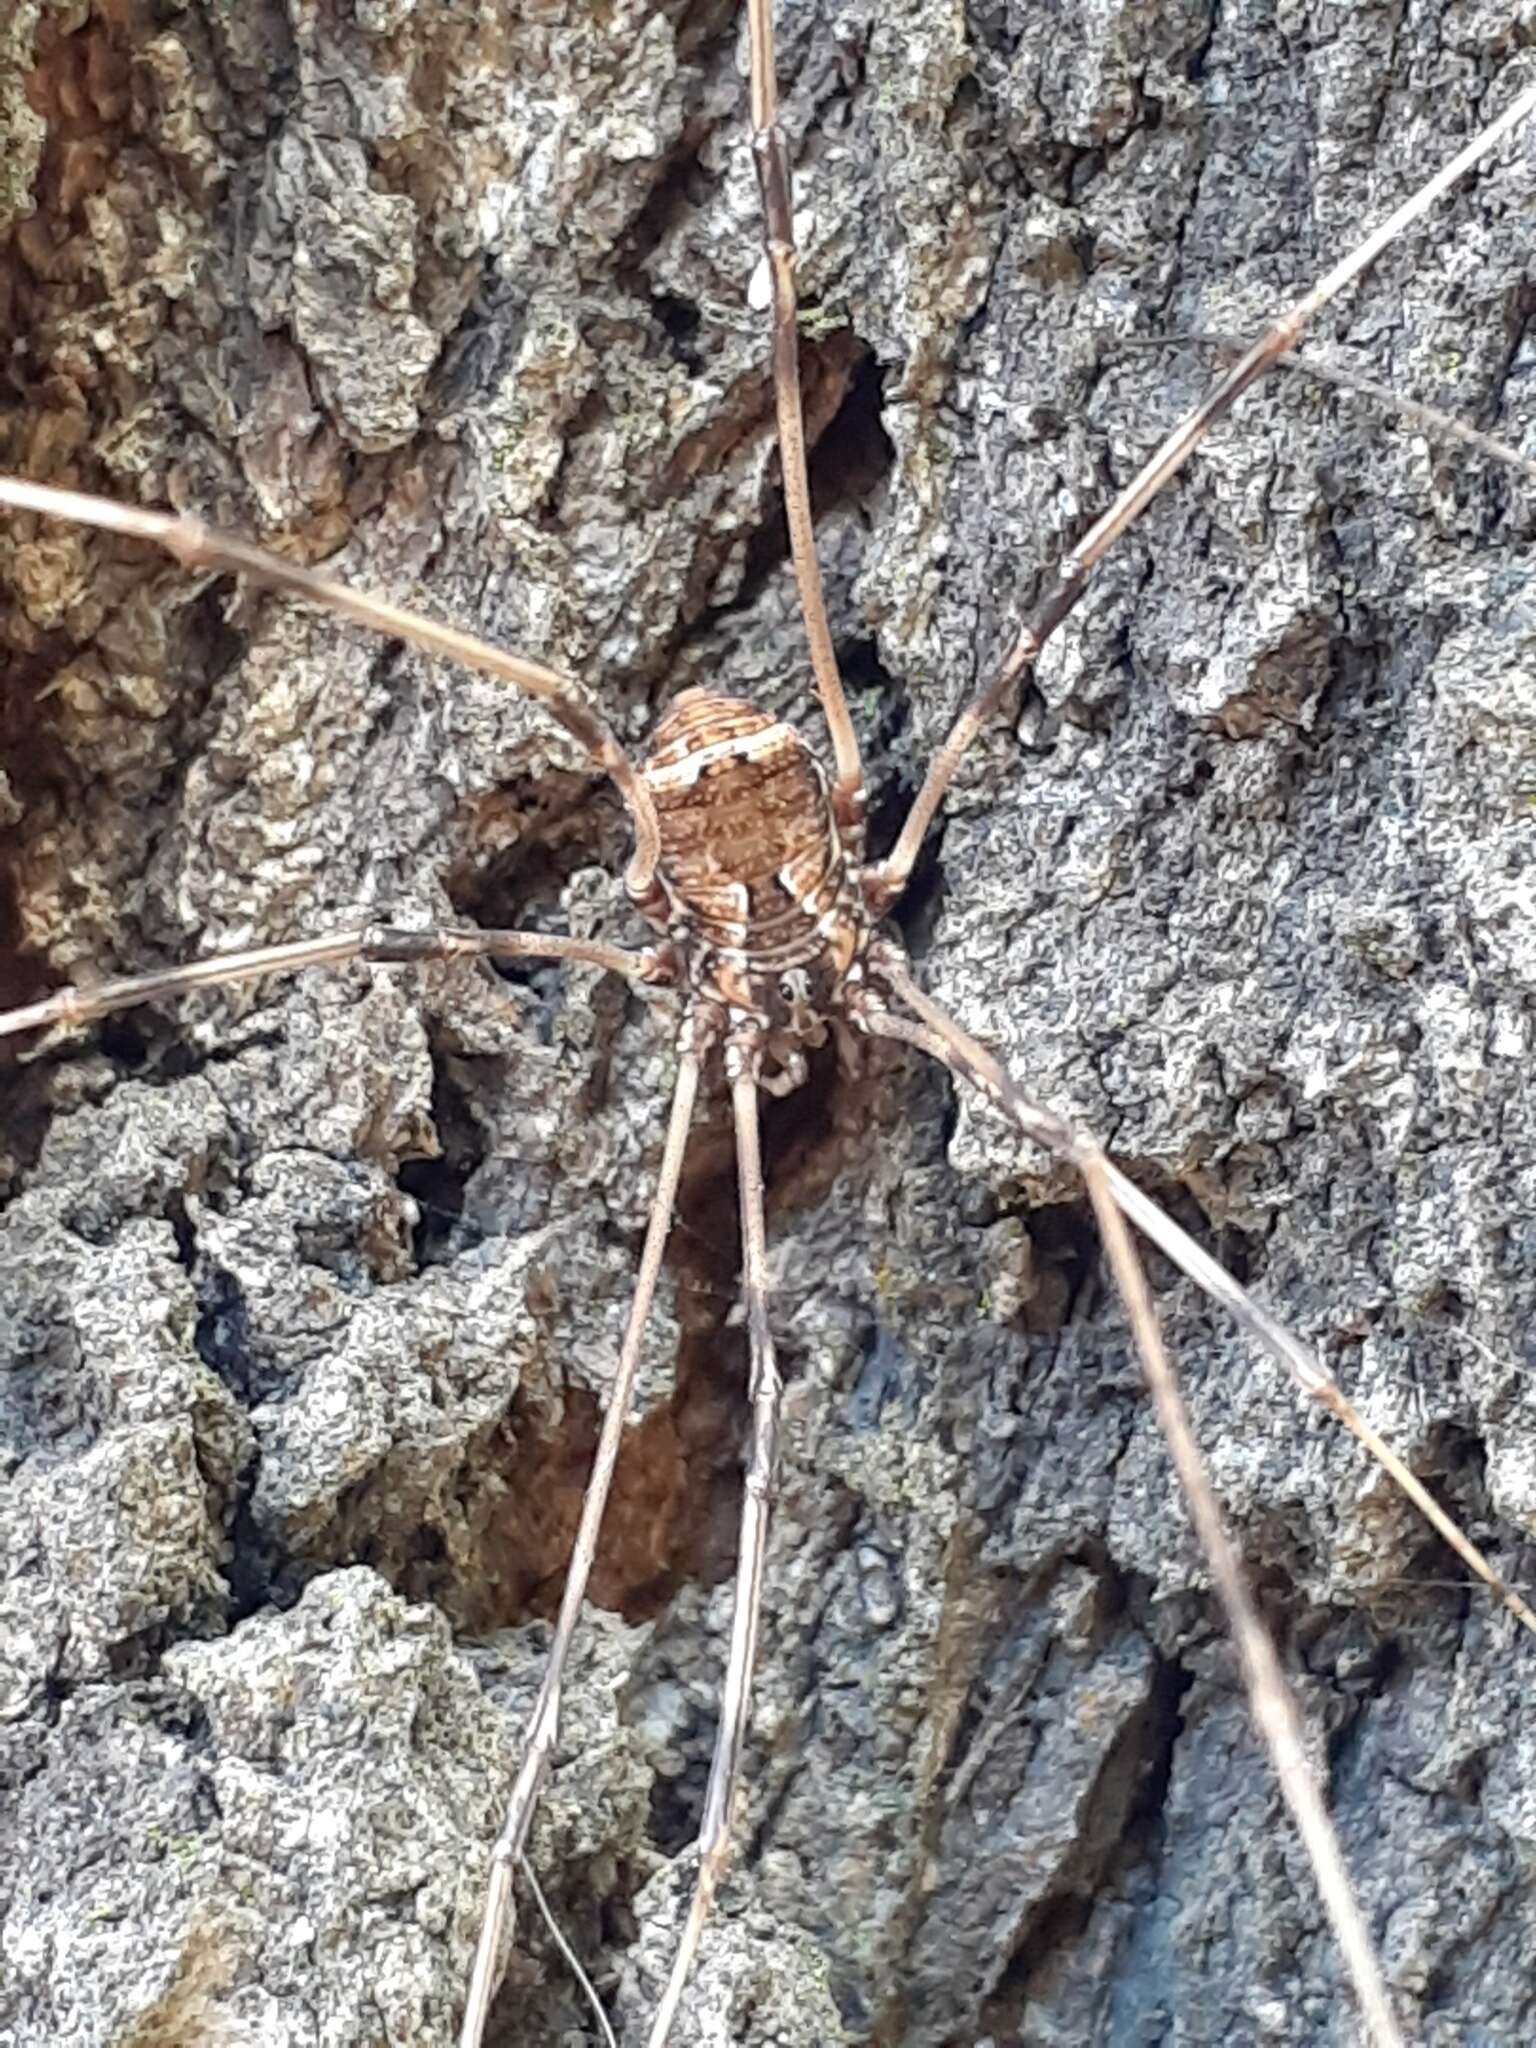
<point x="310" y="1293"/>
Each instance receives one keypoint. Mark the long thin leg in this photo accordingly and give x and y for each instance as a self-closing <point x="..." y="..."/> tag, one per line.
<point x="1274" y="1709"/>
<point x="772" y="161"/>
<point x="568" y="1955"/>
<point x="1435" y="423"/>
<point x="736" y="1699"/>
<point x="394" y="944"/>
<point x="1056" y="1135"/>
<point x="1072" y="575"/>
<point x="1270" y="1701"/>
<point x="544" y="1722"/>
<point x="197" y="546"/>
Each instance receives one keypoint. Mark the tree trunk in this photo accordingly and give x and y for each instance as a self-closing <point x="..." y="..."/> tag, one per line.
<point x="311" y="1292"/>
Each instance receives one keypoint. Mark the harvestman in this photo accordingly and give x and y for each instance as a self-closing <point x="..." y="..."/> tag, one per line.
<point x="748" y="862"/>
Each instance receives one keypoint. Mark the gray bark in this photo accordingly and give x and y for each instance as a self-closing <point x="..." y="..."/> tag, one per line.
<point x="310" y="1294"/>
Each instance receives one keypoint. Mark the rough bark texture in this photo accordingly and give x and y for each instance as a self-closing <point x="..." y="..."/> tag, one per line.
<point x="310" y="1295"/>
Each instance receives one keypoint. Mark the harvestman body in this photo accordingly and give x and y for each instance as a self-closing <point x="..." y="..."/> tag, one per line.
<point x="749" y="863"/>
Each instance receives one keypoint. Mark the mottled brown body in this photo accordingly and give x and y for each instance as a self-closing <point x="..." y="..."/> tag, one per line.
<point x="754" y="884"/>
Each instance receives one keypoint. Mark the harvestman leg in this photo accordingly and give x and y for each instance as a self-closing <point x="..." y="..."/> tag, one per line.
<point x="543" y="1725"/>
<point x="394" y="944"/>
<point x="1114" y="1198"/>
<point x="765" y="1388"/>
<point x="379" y="944"/>
<point x="1272" y="1706"/>
<point x="771" y="159"/>
<point x="950" y="1042"/>
<point x="1274" y="1710"/>
<point x="1076" y="568"/>
<point x="848" y="798"/>
<point x="1270" y="1702"/>
<point x="1438" y="425"/>
<point x="199" y="547"/>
